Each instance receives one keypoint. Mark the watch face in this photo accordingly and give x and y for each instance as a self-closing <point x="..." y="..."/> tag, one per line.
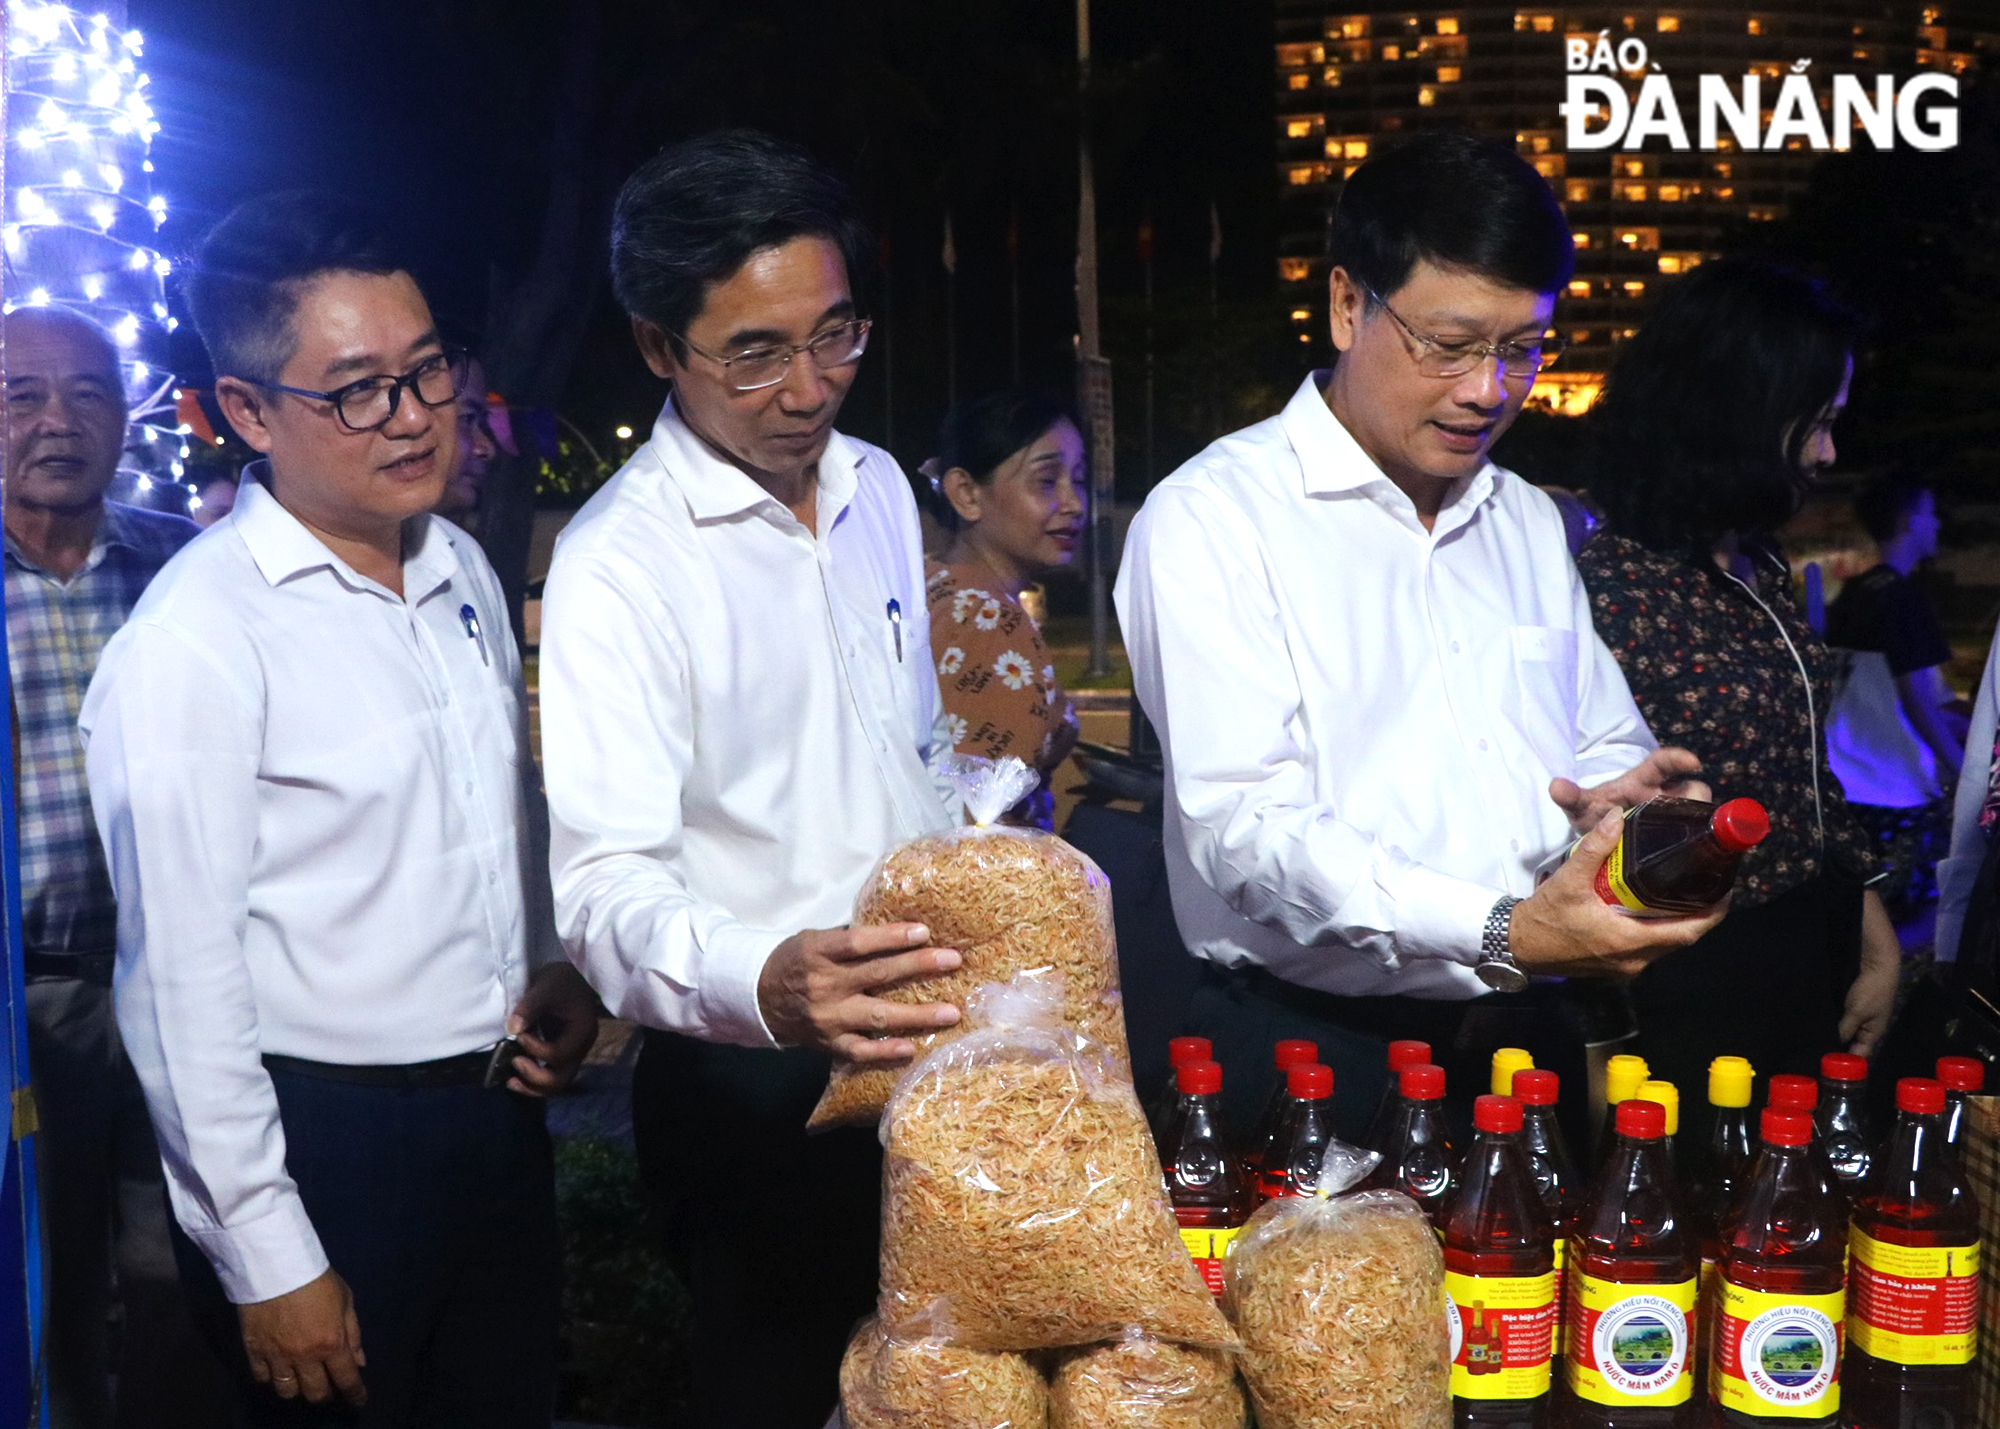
<point x="1502" y="977"/>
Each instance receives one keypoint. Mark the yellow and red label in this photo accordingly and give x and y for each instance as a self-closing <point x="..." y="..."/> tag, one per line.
<point x="1913" y="1305"/>
<point x="1208" y="1249"/>
<point x="1561" y="1329"/>
<point x="1628" y="1343"/>
<point x="1611" y="885"/>
<point x="1778" y="1356"/>
<point x="1502" y="1334"/>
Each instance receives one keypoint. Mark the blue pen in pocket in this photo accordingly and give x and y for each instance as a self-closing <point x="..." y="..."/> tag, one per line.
<point x="469" y="618"/>
<point x="896" y="626"/>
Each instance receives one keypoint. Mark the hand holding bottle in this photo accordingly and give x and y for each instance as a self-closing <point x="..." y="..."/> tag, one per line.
<point x="1567" y="928"/>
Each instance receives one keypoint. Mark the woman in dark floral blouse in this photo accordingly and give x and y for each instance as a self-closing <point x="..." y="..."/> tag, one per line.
<point x="1712" y="426"/>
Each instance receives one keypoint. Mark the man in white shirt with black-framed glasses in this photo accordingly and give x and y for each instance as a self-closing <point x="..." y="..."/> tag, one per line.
<point x="1373" y="671"/>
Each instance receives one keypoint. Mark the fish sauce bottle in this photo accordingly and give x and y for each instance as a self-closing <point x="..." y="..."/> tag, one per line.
<point x="1632" y="1286"/>
<point x="1962" y="1077"/>
<point x="1723" y="1177"/>
<point x="1556" y="1179"/>
<point x="1680" y="855"/>
<point x="1781" y="1303"/>
<point x="1623" y="1076"/>
<point x="1416" y="1149"/>
<point x="1291" y="1166"/>
<point x="1180" y="1051"/>
<point x="1842" y="1118"/>
<point x="1402" y="1053"/>
<point x="1506" y="1062"/>
<point x="1669" y="1097"/>
<point x="1499" y="1276"/>
<point x="1204" y="1180"/>
<point x="1913" y="1277"/>
<point x="1794" y="1093"/>
<point x="1286" y="1054"/>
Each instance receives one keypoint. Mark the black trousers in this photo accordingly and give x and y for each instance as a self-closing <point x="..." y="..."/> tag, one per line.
<point x="774" y="1231"/>
<point x="437" y="1206"/>
<point x="1245" y="1012"/>
<point x="1769" y="983"/>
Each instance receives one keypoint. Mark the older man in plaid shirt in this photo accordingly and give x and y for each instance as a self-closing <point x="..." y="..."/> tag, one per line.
<point x="75" y="566"/>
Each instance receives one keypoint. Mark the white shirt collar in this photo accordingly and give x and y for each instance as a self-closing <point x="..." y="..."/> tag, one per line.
<point x="283" y="547"/>
<point x="1332" y="461"/>
<point x="716" y="490"/>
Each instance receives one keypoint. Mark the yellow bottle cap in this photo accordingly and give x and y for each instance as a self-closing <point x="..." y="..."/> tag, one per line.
<point x="1667" y="1095"/>
<point x="1622" y="1075"/>
<point x="1729" y="1081"/>
<point x="1506" y="1062"/>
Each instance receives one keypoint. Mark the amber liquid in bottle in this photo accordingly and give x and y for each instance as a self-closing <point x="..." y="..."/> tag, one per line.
<point x="1402" y="1053"/>
<point x="1721" y="1178"/>
<point x="1291" y="1167"/>
<point x="1556" y="1180"/>
<point x="1500" y="1276"/>
<point x="1779" y="1300"/>
<point x="1204" y="1183"/>
<point x="1913" y="1287"/>
<point x="1632" y="1289"/>
<point x="1842" y="1119"/>
<point x="1416" y="1147"/>
<point x="1680" y="855"/>
<point x="1285" y="1055"/>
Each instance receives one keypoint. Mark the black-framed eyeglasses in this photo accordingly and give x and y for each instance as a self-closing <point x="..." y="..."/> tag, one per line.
<point x="370" y="404"/>
<point x="758" y="367"/>
<point x="1437" y="357"/>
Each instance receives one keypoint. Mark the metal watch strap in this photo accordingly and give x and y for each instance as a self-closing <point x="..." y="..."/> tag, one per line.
<point x="1493" y="943"/>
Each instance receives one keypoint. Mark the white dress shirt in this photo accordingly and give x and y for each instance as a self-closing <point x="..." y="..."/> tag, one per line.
<point x="321" y="819"/>
<point x="1360" y="717"/>
<point x="1957" y="873"/>
<point x="737" y="719"/>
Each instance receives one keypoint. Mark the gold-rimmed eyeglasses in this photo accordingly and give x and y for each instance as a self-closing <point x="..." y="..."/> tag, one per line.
<point x="755" y="368"/>
<point x="1444" y="357"/>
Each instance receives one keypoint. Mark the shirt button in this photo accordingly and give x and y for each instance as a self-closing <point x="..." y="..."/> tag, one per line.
<point x="1514" y="844"/>
<point x="1454" y="647"/>
<point x="492" y="875"/>
<point x="468" y="788"/>
<point x="1482" y="746"/>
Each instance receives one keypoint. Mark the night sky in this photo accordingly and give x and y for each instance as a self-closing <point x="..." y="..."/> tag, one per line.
<point x="448" y="117"/>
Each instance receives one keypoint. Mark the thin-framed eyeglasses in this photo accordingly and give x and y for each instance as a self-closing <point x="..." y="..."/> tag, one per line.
<point x="1437" y="357"/>
<point x="370" y="404"/>
<point x="755" y="368"/>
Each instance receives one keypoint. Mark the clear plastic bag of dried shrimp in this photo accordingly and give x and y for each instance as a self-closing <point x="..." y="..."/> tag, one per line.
<point x="921" y="1380"/>
<point x="1008" y="900"/>
<point x="1138" y="1382"/>
<point x="1339" y="1299"/>
<point x="1021" y="1195"/>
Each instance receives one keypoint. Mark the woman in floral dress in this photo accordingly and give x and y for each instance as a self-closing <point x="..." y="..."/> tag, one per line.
<point x="1714" y="423"/>
<point x="1007" y="486"/>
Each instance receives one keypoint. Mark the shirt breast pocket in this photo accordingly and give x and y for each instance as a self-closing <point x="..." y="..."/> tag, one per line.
<point x="1545" y="660"/>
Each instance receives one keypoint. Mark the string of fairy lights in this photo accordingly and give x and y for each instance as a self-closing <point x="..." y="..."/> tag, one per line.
<point x="81" y="219"/>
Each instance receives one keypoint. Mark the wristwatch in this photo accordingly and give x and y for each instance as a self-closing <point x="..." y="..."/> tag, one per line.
<point x="1496" y="967"/>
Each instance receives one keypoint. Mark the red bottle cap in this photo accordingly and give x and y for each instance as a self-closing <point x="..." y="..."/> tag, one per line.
<point x="1786" y="1128"/>
<point x="1182" y="1050"/>
<point x="1198" y="1079"/>
<point x="1408" y="1054"/>
<point x="1535" y="1086"/>
<point x="1645" y="1120"/>
<point x="1421" y="1083"/>
<point x="1843" y="1067"/>
<point x="1920" y="1095"/>
<point x="1961" y="1074"/>
<point x="1789" y="1093"/>
<point x="1311" y="1081"/>
<point x="1491" y="1113"/>
<point x="1740" y="825"/>
<point x="1294" y="1052"/>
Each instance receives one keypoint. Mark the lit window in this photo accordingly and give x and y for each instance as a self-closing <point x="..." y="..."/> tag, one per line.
<point x="1298" y="129"/>
<point x="1292" y="56"/>
<point x="1726" y="191"/>
<point x="1670" y="262"/>
<point x="1426" y="96"/>
<point x="1302" y="315"/>
<point x="1303" y="174"/>
<point x="1540" y="144"/>
<point x="1756" y="24"/>
<point x="1448" y="25"/>
<point x="1580" y="240"/>
<point x="1635" y="288"/>
<point x="1354" y="27"/>
<point x="1670" y="193"/>
<point x="1634" y="193"/>
<point x="1581" y="334"/>
<point x="1392" y="52"/>
<point x="1300" y="80"/>
<point x="1629" y="333"/>
<point x="1930" y="15"/>
<point x="1635" y="168"/>
<point x="1449" y="74"/>
<point x="1667" y="24"/>
<point x="1579" y="288"/>
<point x="1725" y="171"/>
<point x="1550" y="166"/>
<point x="1579" y="191"/>
<point x="1331" y="79"/>
<point x="1357" y="148"/>
<point x="1545" y="24"/>
<point x="1294" y="270"/>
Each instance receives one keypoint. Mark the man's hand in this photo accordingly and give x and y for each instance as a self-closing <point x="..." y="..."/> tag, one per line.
<point x="307" y="1341"/>
<point x="814" y="991"/>
<point x="556" y="1022"/>
<point x="1871" y="1000"/>
<point x="1664" y="771"/>
<point x="1566" y="928"/>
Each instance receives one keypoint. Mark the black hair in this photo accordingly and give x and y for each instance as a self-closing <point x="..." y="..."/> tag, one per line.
<point x="1703" y="421"/>
<point x="251" y="268"/>
<point x="979" y="435"/>
<point x="1458" y="201"/>
<point x="1885" y="502"/>
<point x="691" y="215"/>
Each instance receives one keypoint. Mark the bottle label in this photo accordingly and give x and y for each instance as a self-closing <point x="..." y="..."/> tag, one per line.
<point x="1560" y="1331"/>
<point x="1913" y="1305"/>
<point x="1501" y="1334"/>
<point x="1628" y="1343"/>
<point x="1611" y="885"/>
<point x="1209" y="1248"/>
<point x="1778" y="1356"/>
